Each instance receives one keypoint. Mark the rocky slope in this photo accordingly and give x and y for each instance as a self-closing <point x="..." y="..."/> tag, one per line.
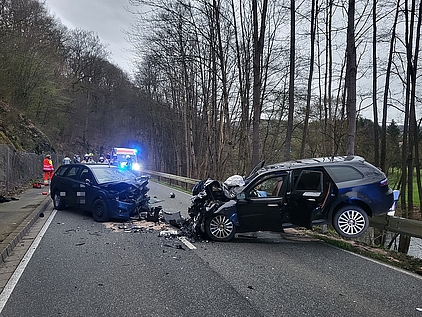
<point x="21" y="133"/>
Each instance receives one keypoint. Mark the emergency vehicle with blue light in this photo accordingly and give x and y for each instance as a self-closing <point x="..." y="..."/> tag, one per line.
<point x="125" y="158"/>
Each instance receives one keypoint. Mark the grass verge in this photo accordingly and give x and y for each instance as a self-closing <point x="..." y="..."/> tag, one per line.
<point x="394" y="258"/>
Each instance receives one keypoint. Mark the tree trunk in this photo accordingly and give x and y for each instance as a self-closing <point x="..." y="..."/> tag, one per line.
<point x="244" y="87"/>
<point x="311" y="71"/>
<point x="386" y="90"/>
<point x="351" y="79"/>
<point x="404" y="243"/>
<point x="258" y="45"/>
<point x="406" y="150"/>
<point x="289" y="132"/>
<point x="374" y="84"/>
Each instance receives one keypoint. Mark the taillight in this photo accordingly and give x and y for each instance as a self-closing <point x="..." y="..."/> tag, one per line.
<point x="384" y="182"/>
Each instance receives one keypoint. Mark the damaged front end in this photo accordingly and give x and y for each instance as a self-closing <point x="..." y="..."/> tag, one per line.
<point x="128" y="199"/>
<point x="208" y="196"/>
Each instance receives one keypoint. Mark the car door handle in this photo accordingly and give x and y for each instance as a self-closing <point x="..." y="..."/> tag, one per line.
<point x="272" y="205"/>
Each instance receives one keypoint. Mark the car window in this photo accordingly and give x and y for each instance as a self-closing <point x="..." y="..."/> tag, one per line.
<point x="343" y="173"/>
<point x="270" y="187"/>
<point x="309" y="181"/>
<point x="61" y="171"/>
<point x="112" y="174"/>
<point x="72" y="172"/>
<point x="86" y="174"/>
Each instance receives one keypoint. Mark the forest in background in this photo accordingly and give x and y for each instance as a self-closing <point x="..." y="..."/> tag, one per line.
<point x="219" y="84"/>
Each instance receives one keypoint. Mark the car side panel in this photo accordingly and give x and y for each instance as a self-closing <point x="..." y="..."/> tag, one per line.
<point x="379" y="199"/>
<point x="64" y="182"/>
<point x="60" y="185"/>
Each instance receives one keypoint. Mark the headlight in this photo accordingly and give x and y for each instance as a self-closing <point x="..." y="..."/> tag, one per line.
<point x="114" y="195"/>
<point x="136" y="167"/>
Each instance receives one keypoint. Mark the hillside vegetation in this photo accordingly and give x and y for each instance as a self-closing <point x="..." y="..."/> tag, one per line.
<point x="208" y="95"/>
<point x="21" y="133"/>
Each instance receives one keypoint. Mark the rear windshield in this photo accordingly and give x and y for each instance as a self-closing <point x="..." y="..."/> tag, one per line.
<point x="343" y="173"/>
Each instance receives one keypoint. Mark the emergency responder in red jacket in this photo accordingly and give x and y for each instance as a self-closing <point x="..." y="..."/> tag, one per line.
<point x="48" y="169"/>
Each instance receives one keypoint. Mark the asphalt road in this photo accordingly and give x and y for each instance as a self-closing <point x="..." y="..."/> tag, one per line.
<point x="84" y="268"/>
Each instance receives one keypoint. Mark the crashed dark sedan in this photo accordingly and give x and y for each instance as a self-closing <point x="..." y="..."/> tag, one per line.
<point x="342" y="191"/>
<point x="106" y="191"/>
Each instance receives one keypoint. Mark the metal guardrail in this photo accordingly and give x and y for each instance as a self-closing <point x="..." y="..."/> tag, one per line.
<point x="410" y="227"/>
<point x="184" y="182"/>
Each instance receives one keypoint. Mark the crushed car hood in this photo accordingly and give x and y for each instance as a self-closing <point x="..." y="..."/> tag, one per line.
<point x="128" y="191"/>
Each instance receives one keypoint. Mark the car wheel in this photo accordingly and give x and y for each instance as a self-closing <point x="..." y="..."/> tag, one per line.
<point x="99" y="211"/>
<point x="220" y="228"/>
<point x="350" y="221"/>
<point x="58" y="201"/>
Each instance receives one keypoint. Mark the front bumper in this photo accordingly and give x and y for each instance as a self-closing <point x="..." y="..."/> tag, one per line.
<point x="120" y="210"/>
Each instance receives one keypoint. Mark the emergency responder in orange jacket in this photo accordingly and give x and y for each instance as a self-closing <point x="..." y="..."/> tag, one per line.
<point x="48" y="169"/>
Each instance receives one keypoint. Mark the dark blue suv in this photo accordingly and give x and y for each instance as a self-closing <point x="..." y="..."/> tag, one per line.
<point x="341" y="191"/>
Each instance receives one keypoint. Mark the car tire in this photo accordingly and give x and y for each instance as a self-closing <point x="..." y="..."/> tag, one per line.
<point x="220" y="228"/>
<point x="58" y="201"/>
<point x="99" y="211"/>
<point x="350" y="221"/>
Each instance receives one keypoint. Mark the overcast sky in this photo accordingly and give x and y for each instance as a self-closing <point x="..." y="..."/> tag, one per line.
<point x="107" y="18"/>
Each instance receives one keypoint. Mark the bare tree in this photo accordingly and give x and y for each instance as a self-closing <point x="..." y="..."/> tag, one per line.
<point x="289" y="130"/>
<point x="85" y="50"/>
<point x="314" y="16"/>
<point x="258" y="45"/>
<point x="374" y="82"/>
<point x="351" y="71"/>
<point x="383" y="150"/>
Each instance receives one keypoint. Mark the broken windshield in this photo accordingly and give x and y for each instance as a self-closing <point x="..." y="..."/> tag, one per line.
<point x="109" y="174"/>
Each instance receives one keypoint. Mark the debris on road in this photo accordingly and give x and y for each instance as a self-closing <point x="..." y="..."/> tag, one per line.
<point x="169" y="233"/>
<point x="173" y="218"/>
<point x="138" y="226"/>
<point x="169" y="225"/>
<point x="7" y="199"/>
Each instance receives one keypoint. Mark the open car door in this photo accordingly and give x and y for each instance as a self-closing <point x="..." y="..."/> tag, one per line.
<point x="260" y="206"/>
<point x="306" y="197"/>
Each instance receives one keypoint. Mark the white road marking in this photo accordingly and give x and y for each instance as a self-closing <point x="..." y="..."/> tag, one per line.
<point x="187" y="243"/>
<point x="10" y="286"/>
<point x="383" y="264"/>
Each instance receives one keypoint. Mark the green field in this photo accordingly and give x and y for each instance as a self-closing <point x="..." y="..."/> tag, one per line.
<point x="394" y="180"/>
